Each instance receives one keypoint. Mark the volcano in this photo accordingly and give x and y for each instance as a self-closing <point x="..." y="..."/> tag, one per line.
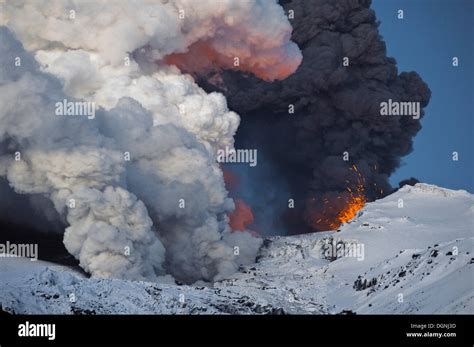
<point x="423" y="251"/>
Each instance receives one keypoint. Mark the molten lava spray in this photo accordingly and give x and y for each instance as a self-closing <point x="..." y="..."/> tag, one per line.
<point x="357" y="200"/>
<point x="353" y="201"/>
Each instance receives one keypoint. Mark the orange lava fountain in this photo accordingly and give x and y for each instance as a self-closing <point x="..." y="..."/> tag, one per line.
<point x="355" y="202"/>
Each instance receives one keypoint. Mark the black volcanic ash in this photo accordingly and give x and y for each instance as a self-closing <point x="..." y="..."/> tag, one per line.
<point x="336" y="110"/>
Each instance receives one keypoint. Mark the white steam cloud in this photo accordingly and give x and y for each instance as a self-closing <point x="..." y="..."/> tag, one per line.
<point x="126" y="218"/>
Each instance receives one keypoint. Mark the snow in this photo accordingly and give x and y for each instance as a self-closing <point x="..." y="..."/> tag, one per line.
<point x="416" y="259"/>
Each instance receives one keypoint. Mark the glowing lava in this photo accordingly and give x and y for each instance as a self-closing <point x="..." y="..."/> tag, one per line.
<point x="354" y="202"/>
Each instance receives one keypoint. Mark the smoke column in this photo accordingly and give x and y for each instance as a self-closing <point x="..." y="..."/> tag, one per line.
<point x="336" y="110"/>
<point x="137" y="187"/>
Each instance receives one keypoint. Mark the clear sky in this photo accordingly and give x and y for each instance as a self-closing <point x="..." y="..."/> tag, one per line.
<point x="430" y="35"/>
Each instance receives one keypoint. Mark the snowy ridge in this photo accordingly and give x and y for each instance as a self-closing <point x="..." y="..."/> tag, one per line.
<point x="417" y="258"/>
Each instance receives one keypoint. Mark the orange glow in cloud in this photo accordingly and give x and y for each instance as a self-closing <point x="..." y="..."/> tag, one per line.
<point x="202" y="58"/>
<point x="242" y="217"/>
<point x="231" y="179"/>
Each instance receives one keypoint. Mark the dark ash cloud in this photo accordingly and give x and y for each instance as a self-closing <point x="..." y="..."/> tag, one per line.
<point x="337" y="109"/>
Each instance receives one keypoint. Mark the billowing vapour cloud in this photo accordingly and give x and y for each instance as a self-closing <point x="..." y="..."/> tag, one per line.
<point x="66" y="159"/>
<point x="165" y="209"/>
<point x="336" y="110"/>
<point x="256" y="32"/>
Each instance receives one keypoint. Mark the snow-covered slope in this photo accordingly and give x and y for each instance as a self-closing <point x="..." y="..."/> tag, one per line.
<point x="411" y="252"/>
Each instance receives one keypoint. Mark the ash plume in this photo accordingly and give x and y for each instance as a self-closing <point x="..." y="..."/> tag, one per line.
<point x="164" y="210"/>
<point x="409" y="181"/>
<point x="336" y="110"/>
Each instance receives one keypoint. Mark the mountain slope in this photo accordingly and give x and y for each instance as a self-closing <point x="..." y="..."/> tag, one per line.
<point x="417" y="258"/>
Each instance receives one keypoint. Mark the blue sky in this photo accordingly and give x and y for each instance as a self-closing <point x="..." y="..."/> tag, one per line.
<point x="430" y="35"/>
